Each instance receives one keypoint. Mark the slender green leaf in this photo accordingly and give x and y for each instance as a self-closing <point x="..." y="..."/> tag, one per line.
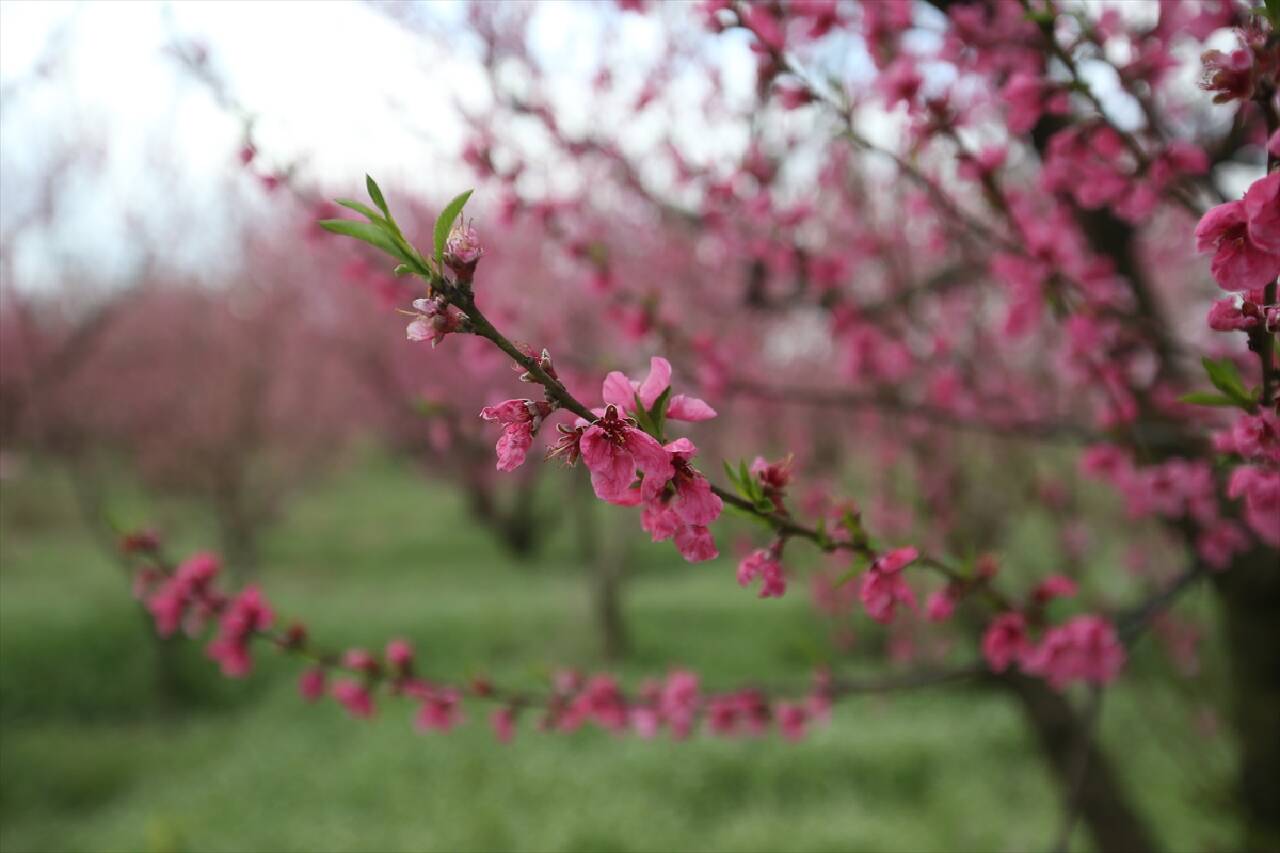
<point x="375" y="193"/>
<point x="445" y="223"/>
<point x="732" y="475"/>
<point x="1226" y="378"/>
<point x="362" y="209"/>
<point x="367" y="232"/>
<point x="659" y="410"/>
<point x="1205" y="398"/>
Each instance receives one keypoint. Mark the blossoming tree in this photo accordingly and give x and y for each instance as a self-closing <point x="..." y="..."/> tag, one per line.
<point x="1015" y="259"/>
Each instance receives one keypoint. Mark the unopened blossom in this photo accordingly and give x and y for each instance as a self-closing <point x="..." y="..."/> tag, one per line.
<point x="399" y="656"/>
<point x="622" y="392"/>
<point x="462" y="251"/>
<point x="765" y="565"/>
<point x="774" y="478"/>
<point x="613" y="450"/>
<point x="520" y="420"/>
<point x="1239" y="263"/>
<point x="1085" y="648"/>
<point x="434" y="319"/>
<point x="1005" y="641"/>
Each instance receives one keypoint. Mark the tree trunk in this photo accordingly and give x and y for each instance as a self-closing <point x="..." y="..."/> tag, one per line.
<point x="605" y="564"/>
<point x="1087" y="779"/>
<point x="1250" y="593"/>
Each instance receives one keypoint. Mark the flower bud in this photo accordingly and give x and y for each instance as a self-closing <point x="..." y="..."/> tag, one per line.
<point x="463" y="251"/>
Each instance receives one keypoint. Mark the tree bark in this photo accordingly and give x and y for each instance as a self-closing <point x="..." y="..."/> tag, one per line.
<point x="604" y="563"/>
<point x="1087" y="779"/>
<point x="1250" y="591"/>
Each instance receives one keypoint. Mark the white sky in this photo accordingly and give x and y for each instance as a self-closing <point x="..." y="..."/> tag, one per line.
<point x="338" y="84"/>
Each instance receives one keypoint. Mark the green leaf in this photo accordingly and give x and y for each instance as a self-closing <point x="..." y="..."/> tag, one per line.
<point x="369" y="233"/>
<point x="1226" y="378"/>
<point x="1273" y="11"/>
<point x="444" y="224"/>
<point x="362" y="209"/>
<point x="375" y="193"/>
<point x="1205" y="398"/>
<point x="659" y="410"/>
<point x="642" y="418"/>
<point x="402" y="269"/>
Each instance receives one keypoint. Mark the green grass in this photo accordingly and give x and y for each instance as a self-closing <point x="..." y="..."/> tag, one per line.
<point x="95" y="758"/>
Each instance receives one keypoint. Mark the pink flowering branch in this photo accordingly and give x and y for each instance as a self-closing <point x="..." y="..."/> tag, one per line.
<point x="187" y="597"/>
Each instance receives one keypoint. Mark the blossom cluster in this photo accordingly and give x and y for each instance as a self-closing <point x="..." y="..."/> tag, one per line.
<point x="1085" y="648"/>
<point x="188" y="597"/>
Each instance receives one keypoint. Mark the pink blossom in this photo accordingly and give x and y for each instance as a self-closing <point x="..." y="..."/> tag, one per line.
<point x="400" y="655"/>
<point x="463" y="251"/>
<point x="1260" y="488"/>
<point x="520" y="420"/>
<point x="895" y="561"/>
<point x="1257" y="436"/>
<point x="941" y="605"/>
<point x="792" y="719"/>
<point x="659" y="520"/>
<point x="361" y="661"/>
<point x="678" y="702"/>
<point x="1220" y="542"/>
<point x="247" y="614"/>
<point x="1262" y="210"/>
<point x="899" y="82"/>
<point x="1054" y="586"/>
<point x="434" y="319"/>
<point x="765" y="565"/>
<point x="1085" y="648"/>
<point x="760" y="19"/>
<point x="354" y="696"/>
<point x="440" y="710"/>
<point x="613" y="450"/>
<point x="693" y="502"/>
<point x="622" y="392"/>
<point x="696" y="544"/>
<point x="1027" y="97"/>
<point x="1230" y="76"/>
<point x="1005" y="641"/>
<point x="311" y="683"/>
<point x="503" y="723"/>
<point x="1238" y="262"/>
<point x="882" y="591"/>
<point x="1226" y="316"/>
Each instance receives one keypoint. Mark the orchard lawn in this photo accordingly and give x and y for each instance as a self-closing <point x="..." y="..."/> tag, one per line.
<point x="94" y="756"/>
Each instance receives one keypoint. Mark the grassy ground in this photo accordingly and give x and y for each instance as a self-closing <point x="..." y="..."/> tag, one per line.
<point x="93" y="759"/>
